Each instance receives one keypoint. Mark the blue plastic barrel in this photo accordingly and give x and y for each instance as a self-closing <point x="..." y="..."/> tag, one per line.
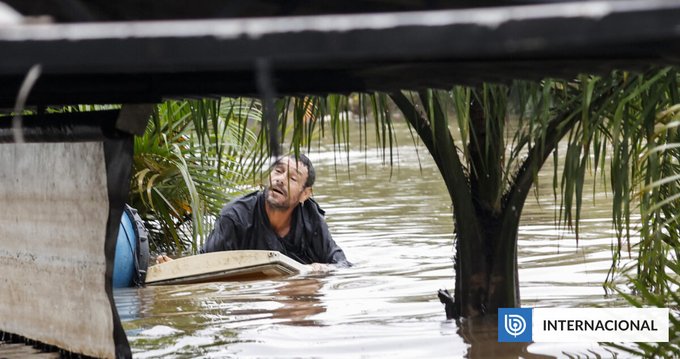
<point x="124" y="263"/>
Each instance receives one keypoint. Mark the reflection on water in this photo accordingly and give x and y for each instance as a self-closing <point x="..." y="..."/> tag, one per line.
<point x="398" y="233"/>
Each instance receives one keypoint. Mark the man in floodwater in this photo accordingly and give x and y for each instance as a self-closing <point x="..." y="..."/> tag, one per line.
<point x="282" y="218"/>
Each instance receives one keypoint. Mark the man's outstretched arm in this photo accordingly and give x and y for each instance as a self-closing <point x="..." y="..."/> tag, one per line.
<point x="334" y="256"/>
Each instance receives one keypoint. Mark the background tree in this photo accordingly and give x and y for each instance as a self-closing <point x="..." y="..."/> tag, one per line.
<point x="504" y="134"/>
<point x="488" y="142"/>
<point x="598" y="116"/>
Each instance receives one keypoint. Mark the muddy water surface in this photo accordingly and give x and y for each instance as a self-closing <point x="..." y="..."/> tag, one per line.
<point x="396" y="227"/>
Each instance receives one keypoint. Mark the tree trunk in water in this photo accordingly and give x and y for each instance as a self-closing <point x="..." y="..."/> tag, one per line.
<point x="492" y="261"/>
<point x="486" y="217"/>
<point x="494" y="283"/>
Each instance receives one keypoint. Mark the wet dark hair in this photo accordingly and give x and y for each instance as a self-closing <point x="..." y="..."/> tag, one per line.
<point x="311" y="173"/>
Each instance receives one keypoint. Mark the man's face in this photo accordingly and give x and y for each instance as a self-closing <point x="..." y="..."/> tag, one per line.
<point x="287" y="184"/>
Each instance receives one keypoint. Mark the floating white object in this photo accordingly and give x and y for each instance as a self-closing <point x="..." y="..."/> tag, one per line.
<point x="224" y="266"/>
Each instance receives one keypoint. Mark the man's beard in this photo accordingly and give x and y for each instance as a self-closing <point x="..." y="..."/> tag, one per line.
<point x="272" y="202"/>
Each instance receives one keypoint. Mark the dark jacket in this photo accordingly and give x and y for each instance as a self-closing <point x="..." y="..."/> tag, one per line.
<point x="243" y="224"/>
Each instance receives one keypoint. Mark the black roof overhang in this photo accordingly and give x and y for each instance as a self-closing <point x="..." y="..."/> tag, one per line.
<point x="145" y="61"/>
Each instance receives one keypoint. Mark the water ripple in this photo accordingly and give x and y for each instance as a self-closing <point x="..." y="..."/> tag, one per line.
<point x="398" y="231"/>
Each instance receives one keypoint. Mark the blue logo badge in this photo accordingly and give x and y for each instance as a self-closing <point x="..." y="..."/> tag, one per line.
<point x="514" y="324"/>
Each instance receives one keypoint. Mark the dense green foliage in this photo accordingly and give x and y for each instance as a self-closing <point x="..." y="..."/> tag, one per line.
<point x="194" y="157"/>
<point x="660" y="228"/>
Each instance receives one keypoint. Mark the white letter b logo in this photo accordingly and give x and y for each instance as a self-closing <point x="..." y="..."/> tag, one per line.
<point x="515" y="324"/>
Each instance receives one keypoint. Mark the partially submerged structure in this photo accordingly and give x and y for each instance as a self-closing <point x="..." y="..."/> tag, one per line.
<point x="65" y="177"/>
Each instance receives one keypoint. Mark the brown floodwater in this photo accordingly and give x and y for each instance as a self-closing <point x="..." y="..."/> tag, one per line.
<point x="396" y="226"/>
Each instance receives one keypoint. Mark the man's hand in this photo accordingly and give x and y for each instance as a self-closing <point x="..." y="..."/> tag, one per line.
<point x="163" y="259"/>
<point x="320" y="267"/>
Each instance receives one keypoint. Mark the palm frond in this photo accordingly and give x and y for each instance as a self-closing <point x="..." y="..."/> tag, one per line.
<point x="192" y="160"/>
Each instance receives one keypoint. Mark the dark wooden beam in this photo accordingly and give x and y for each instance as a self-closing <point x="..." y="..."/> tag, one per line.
<point x="147" y="61"/>
<point x="78" y="126"/>
<point x="126" y="10"/>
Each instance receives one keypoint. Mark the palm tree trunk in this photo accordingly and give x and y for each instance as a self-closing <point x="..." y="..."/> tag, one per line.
<point x="494" y="260"/>
<point x="482" y="280"/>
<point x="486" y="221"/>
<point x="495" y="263"/>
